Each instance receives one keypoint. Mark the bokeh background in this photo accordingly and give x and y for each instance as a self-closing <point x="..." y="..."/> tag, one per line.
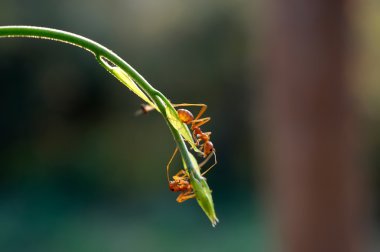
<point x="80" y="172"/>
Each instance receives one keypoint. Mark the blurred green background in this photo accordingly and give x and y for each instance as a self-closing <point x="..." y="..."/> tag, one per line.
<point x="79" y="172"/>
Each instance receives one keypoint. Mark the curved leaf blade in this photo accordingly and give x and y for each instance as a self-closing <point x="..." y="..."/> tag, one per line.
<point x="124" y="78"/>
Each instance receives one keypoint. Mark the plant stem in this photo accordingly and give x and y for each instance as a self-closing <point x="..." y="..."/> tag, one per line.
<point x="107" y="59"/>
<point x="98" y="51"/>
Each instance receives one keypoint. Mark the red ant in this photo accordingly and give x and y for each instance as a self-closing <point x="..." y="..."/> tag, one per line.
<point x="181" y="183"/>
<point x="187" y="117"/>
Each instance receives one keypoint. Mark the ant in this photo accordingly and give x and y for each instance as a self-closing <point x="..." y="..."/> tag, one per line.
<point x="187" y="117"/>
<point x="180" y="182"/>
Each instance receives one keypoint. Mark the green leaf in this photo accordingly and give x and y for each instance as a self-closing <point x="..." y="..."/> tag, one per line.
<point x="202" y="190"/>
<point x="124" y="78"/>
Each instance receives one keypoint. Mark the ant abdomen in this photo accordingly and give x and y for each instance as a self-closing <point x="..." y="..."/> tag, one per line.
<point x="185" y="115"/>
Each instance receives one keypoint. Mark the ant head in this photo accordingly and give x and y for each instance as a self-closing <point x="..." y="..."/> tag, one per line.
<point x="208" y="147"/>
<point x="185" y="115"/>
<point x="172" y="184"/>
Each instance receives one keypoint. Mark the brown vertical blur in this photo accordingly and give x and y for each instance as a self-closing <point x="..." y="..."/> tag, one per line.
<point x="312" y="126"/>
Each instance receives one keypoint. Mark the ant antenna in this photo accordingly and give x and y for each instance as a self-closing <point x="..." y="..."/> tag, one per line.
<point x="206" y="160"/>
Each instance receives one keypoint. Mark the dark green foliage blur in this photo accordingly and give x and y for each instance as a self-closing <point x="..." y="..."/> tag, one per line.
<point x="79" y="172"/>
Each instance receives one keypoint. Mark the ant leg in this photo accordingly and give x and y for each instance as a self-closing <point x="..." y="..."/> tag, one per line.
<point x="207" y="133"/>
<point x="197" y="122"/>
<point x="200" y="122"/>
<point x="185" y="196"/>
<point x="203" y="108"/>
<point x="170" y="161"/>
<point x="180" y="175"/>
<point x="205" y="161"/>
